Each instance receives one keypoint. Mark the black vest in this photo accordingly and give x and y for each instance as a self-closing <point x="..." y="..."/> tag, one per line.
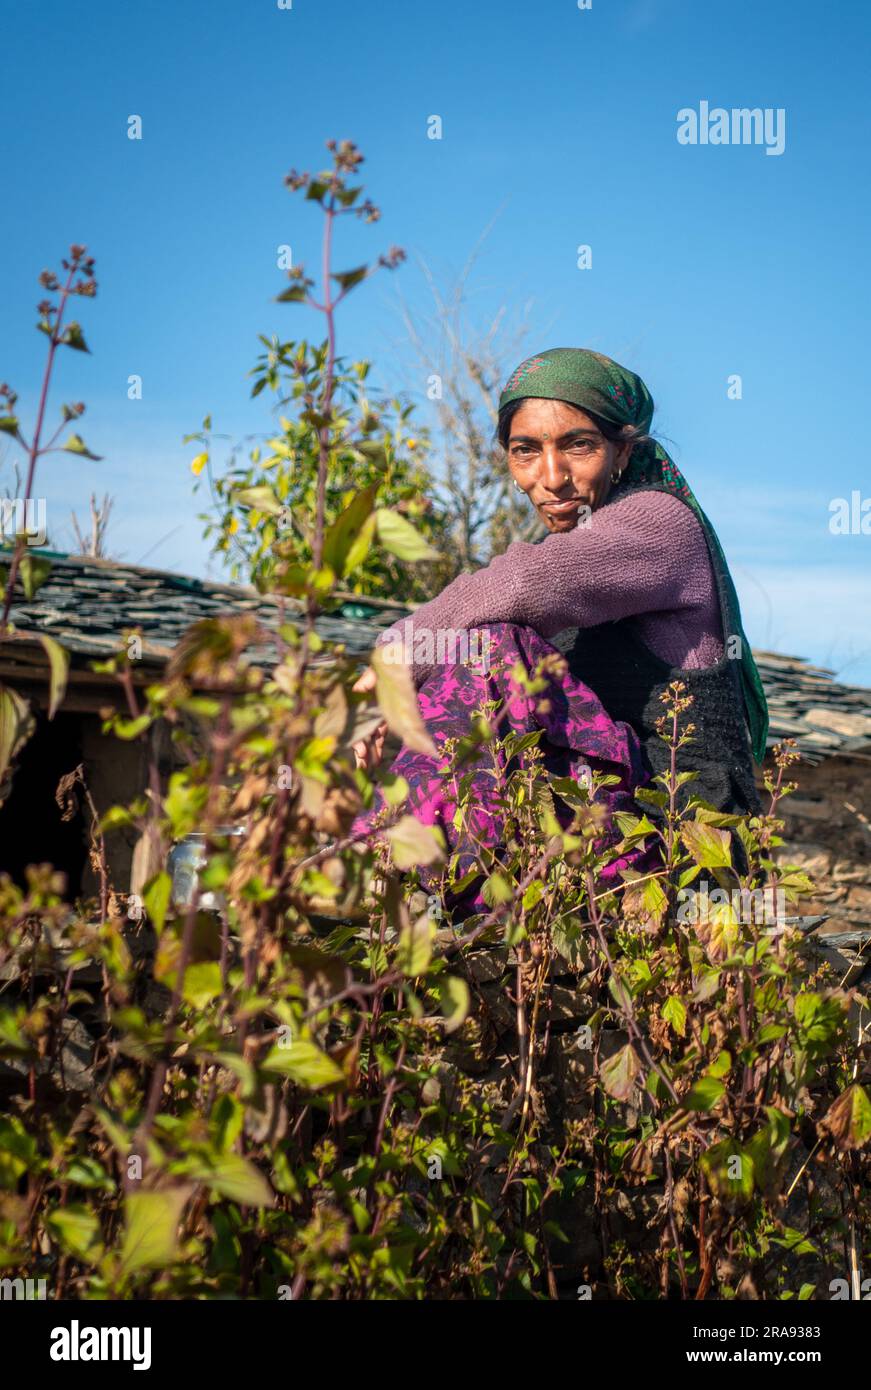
<point x="614" y="661"/>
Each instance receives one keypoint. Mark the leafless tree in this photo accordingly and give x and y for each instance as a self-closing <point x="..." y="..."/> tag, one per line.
<point x="464" y="366"/>
<point x="8" y="495"/>
<point x="94" y="545"/>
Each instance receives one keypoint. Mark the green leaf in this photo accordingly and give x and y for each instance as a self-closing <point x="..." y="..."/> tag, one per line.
<point x="796" y="1242"/>
<point x="399" y="537"/>
<point x="292" y="295"/>
<point x="721" y="1065"/>
<point x="260" y="499"/>
<point x="706" y="814"/>
<point x="11" y="1035"/>
<point x="768" y="1148"/>
<point x="413" y="843"/>
<point x="156" y="896"/>
<point x="708" y="984"/>
<point x="128" y="729"/>
<point x="202" y="983"/>
<point x="454" y="999"/>
<point x="34" y="571"/>
<point x="305" y="1063"/>
<point x="77" y="1231"/>
<point x="633" y="829"/>
<point x="242" y="1068"/>
<point x="237" y="1179"/>
<point x="683" y="777"/>
<point x="414" y="948"/>
<point x="9" y="424"/>
<point x="704" y="1094"/>
<point x="770" y="1032"/>
<point x="18" y="1152"/>
<point x="349" y="537"/>
<point x="397" y="699"/>
<point x="534" y="893"/>
<point x="59" y="665"/>
<point x="795" y="882"/>
<point x="729" y="1170"/>
<point x="375" y="450"/>
<point x="619" y="1073"/>
<point x="76" y="445"/>
<point x="709" y="847"/>
<point x="654" y="898"/>
<point x="819" y="1018"/>
<point x="16" y="726"/>
<point x="688" y="875"/>
<point x="650" y="796"/>
<point x="120" y="1137"/>
<point x="674" y="1012"/>
<point x="151" y="1229"/>
<point x="349" y="278"/>
<point x="394" y="789"/>
<point x="360" y="547"/>
<point x="73" y="337"/>
<point x="620" y="991"/>
<point x="87" y="1172"/>
<point x="497" y="889"/>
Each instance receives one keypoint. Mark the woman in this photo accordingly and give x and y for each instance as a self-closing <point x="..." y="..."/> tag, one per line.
<point x="631" y="584"/>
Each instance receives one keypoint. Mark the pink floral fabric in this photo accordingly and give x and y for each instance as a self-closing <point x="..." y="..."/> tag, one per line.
<point x="578" y="734"/>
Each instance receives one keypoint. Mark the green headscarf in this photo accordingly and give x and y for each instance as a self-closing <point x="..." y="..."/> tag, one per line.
<point x="596" y="383"/>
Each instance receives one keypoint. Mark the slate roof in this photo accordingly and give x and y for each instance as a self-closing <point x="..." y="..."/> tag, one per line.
<point x="87" y="604"/>
<point x="806" y="703"/>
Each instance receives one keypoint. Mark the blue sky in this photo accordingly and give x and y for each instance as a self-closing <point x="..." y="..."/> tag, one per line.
<point x="559" y="123"/>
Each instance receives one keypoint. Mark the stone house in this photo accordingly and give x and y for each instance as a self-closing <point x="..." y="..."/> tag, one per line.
<point x="828" y="819"/>
<point x="88" y="605"/>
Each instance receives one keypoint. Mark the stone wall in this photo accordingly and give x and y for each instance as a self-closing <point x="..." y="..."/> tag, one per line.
<point x="828" y="833"/>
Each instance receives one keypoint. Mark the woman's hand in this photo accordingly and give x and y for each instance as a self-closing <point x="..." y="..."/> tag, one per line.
<point x="365" y="681"/>
<point x="368" y="751"/>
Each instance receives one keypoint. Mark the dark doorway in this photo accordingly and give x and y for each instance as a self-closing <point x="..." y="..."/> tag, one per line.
<point x="31" y="829"/>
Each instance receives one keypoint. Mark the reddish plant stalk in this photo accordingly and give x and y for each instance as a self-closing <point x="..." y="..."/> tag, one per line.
<point x="34" y="451"/>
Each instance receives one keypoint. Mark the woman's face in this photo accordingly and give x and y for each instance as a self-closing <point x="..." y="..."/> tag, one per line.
<point x="561" y="461"/>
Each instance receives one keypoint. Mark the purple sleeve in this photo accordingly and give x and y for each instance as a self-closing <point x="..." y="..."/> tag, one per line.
<point x="644" y="553"/>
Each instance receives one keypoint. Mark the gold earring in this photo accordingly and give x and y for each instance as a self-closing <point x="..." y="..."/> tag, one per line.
<point x="615" y="477"/>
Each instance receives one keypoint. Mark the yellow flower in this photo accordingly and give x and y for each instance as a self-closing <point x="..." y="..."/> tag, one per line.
<point x="199" y="463"/>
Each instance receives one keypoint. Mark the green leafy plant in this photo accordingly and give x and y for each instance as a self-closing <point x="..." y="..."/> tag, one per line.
<point x="317" y="1077"/>
<point x="28" y="570"/>
<point x="343" y="467"/>
<point x="76" y="279"/>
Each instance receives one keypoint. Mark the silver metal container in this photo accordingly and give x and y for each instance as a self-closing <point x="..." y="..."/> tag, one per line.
<point x="184" y="862"/>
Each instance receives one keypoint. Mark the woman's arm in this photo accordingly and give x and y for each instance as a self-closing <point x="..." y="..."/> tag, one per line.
<point x="640" y="554"/>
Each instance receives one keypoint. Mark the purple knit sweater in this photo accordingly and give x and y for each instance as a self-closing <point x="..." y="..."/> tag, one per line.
<point x="642" y="556"/>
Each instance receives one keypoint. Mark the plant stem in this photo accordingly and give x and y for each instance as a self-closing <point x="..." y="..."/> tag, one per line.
<point x="21" y="541"/>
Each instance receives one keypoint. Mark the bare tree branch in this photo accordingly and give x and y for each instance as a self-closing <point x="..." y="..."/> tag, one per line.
<point x="94" y="546"/>
<point x="464" y="366"/>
